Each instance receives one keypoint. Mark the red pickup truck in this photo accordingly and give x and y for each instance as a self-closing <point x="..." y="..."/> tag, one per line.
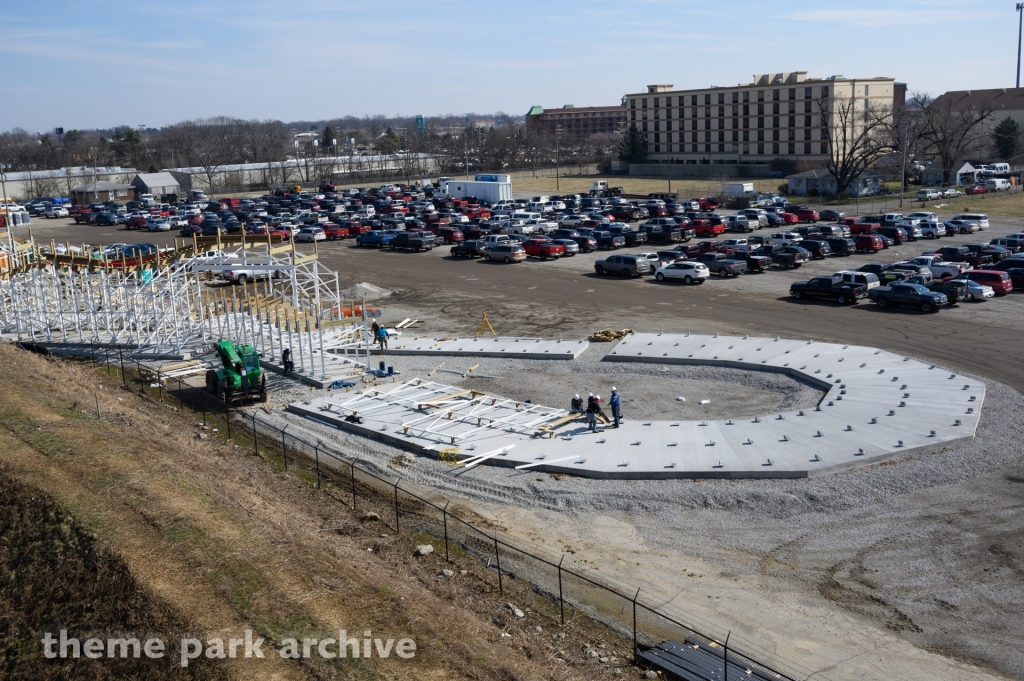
<point x="714" y="247"/>
<point x="704" y="228"/>
<point x="333" y="231"/>
<point x="862" y="227"/>
<point x="543" y="248"/>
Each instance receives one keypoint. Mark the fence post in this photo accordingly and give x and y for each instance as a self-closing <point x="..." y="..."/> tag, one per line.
<point x="352" y="466"/>
<point x="497" y="558"/>
<point x="725" y="658"/>
<point x="284" y="448"/>
<point x="202" y="403"/>
<point x="317" y="449"/>
<point x="227" y="419"/>
<point x="160" y="385"/>
<point x="138" y="368"/>
<point x="181" y="402"/>
<point x="120" y="357"/>
<point x="634" y="625"/>
<point x="397" y="530"/>
<point x="255" y="442"/>
<point x="444" y="514"/>
<point x="561" y="602"/>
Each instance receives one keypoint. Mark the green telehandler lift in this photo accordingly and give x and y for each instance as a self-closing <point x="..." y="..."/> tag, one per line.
<point x="241" y="377"/>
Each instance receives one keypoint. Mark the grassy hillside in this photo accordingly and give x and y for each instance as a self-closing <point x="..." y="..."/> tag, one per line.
<point x="139" y="525"/>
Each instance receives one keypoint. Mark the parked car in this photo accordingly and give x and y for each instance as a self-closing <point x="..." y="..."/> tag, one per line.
<point x="311" y="234"/>
<point x="1016" y="278"/>
<point x="818" y="248"/>
<point x="571" y="247"/>
<point x="928" y="195"/>
<point x="998" y="280"/>
<point x="413" y="241"/>
<point x="722" y="264"/>
<point x="470" y="248"/>
<point x="976" y="189"/>
<point x="868" y="243"/>
<point x="687" y="271"/>
<point x="830" y="288"/>
<point x="57" y="212"/>
<point x="908" y="295"/>
<point x="623" y="265"/>
<point x="375" y="238"/>
<point x="842" y="246"/>
<point x="543" y="248"/>
<point x="829" y="214"/>
<point x="979" y="218"/>
<point x="785" y="238"/>
<point x="806" y="214"/>
<point x="507" y="253"/>
<point x="867" y="279"/>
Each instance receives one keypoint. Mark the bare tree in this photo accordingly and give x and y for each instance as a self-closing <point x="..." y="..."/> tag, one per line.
<point x="952" y="129"/>
<point x="857" y="136"/>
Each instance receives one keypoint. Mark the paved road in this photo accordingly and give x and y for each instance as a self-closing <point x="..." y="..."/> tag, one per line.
<point x="983" y="338"/>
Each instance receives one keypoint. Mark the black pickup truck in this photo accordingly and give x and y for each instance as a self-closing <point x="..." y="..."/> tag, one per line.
<point x="755" y="262"/>
<point x="413" y="241"/>
<point x="827" y="287"/>
<point x="908" y="295"/>
<point x="722" y="265"/>
<point x="964" y="254"/>
<point x="666" y="234"/>
<point x="605" y="240"/>
<point x="632" y="236"/>
<point x="784" y="256"/>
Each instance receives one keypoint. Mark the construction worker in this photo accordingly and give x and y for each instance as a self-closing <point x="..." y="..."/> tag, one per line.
<point x="591" y="417"/>
<point x="286" y="359"/>
<point x="375" y="330"/>
<point x="616" y="406"/>
<point x="575" y="404"/>
<point x="382" y="336"/>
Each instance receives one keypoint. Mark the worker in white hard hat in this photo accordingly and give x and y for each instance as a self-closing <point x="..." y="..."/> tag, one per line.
<point x="575" y="404"/>
<point x="615" y="402"/>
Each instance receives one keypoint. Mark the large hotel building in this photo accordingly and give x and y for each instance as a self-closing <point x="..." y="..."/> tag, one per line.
<point x="775" y="116"/>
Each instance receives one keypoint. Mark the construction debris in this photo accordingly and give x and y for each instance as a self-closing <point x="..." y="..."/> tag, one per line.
<point x="609" y="335"/>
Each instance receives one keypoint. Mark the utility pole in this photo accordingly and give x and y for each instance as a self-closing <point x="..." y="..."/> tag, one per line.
<point x="558" y="134"/>
<point x="670" y="174"/>
<point x="1020" y="30"/>
<point x="903" y="170"/>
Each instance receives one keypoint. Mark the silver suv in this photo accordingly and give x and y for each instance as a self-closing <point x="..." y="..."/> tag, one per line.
<point x="624" y="266"/>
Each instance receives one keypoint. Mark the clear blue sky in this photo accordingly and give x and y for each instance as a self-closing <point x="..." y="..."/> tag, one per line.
<point x="101" y="64"/>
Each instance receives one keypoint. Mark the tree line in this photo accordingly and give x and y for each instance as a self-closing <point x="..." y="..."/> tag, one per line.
<point x="453" y="144"/>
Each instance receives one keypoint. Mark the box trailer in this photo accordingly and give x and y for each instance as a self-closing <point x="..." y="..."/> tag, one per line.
<point x="491" y="192"/>
<point x="731" y="190"/>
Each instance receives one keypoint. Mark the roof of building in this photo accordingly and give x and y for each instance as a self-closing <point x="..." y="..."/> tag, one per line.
<point x="822" y="173"/>
<point x="101" y="186"/>
<point x="999" y="99"/>
<point x="83" y="171"/>
<point x="569" y="108"/>
<point x="163" y="179"/>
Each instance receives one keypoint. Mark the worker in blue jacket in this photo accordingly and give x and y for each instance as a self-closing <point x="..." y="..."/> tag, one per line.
<point x="616" y="406"/>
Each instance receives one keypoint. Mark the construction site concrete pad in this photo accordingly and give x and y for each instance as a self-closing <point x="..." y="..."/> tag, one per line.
<point x="875" y="406"/>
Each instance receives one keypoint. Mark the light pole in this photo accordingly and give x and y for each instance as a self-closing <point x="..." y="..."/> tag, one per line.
<point x="903" y="169"/>
<point x="1020" y="31"/>
<point x="558" y="135"/>
<point x="7" y="207"/>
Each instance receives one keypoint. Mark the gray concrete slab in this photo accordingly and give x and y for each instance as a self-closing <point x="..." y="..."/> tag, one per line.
<point x="520" y="348"/>
<point x="875" y="406"/>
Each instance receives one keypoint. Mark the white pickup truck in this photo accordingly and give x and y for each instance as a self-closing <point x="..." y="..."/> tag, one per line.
<point x="939" y="268"/>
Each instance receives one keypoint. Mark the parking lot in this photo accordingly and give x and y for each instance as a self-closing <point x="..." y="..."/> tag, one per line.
<point x="548" y="297"/>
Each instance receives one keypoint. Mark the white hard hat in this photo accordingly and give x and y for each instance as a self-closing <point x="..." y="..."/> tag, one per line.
<point x="577" y="396"/>
<point x="614" y="389"/>
<point x="590" y="394"/>
<point x="598" y="398"/>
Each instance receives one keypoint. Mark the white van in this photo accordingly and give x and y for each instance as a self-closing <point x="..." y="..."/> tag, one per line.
<point x="997" y="185"/>
<point x="524" y="216"/>
<point x="857" y="278"/>
<point x="979" y="218"/>
<point x="367" y="211"/>
<point x="996" y="169"/>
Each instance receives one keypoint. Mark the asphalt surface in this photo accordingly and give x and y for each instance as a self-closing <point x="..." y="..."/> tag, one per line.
<point x="982" y="338"/>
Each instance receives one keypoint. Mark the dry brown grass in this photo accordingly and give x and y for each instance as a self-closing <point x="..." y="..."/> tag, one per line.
<point x="232" y="543"/>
